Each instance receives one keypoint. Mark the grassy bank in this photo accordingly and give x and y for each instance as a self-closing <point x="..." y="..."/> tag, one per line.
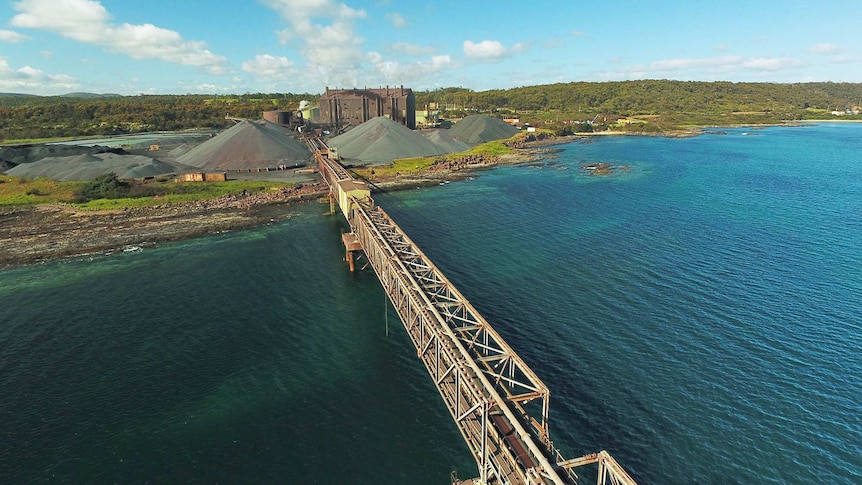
<point x="419" y="165"/>
<point x="16" y="191"/>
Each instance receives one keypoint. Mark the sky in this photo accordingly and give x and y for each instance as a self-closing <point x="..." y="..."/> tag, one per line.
<point x="132" y="47"/>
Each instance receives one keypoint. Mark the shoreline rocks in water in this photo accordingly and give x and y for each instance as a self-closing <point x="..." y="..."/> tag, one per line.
<point x="602" y="168"/>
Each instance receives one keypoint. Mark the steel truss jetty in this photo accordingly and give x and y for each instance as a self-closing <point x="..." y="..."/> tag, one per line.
<point x="498" y="403"/>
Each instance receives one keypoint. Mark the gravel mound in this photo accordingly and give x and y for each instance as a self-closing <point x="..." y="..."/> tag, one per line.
<point x="478" y="129"/>
<point x="247" y="146"/>
<point x="444" y="139"/>
<point x="180" y="150"/>
<point x="89" y="166"/>
<point x="30" y="153"/>
<point x="381" y="140"/>
<point x="172" y="141"/>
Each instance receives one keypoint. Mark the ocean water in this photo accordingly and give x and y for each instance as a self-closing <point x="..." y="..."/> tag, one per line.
<point x="698" y="315"/>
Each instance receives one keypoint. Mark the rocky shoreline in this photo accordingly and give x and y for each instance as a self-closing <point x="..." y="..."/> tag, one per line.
<point x="34" y="234"/>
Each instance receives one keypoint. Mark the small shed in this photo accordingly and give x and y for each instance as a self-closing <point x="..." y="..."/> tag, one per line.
<point x="348" y="189"/>
<point x="204" y="177"/>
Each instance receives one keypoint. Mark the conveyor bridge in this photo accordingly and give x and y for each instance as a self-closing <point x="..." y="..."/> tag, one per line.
<point x="498" y="403"/>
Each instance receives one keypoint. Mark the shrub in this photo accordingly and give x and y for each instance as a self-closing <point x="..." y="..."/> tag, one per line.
<point x="107" y="186"/>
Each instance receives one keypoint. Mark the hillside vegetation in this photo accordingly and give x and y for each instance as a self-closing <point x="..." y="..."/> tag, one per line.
<point x="108" y="192"/>
<point x="656" y="97"/>
<point x="657" y="104"/>
<point x="37" y="117"/>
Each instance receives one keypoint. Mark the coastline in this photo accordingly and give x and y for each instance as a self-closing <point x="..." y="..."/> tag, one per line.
<point x="42" y="233"/>
<point x="36" y="234"/>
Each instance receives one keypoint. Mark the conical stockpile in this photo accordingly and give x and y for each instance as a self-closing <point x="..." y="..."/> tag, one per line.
<point x="478" y="129"/>
<point x="248" y="146"/>
<point x="91" y="166"/>
<point x="444" y="139"/>
<point x="381" y="140"/>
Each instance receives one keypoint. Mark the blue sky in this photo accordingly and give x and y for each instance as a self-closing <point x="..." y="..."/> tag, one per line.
<point x="245" y="46"/>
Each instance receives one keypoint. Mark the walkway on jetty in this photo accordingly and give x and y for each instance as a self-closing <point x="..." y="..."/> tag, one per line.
<point x="498" y="403"/>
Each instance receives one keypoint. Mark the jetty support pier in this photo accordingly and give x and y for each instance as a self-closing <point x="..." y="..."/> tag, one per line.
<point x="498" y="403"/>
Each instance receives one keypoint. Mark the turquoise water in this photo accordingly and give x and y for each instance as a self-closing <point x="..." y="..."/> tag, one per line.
<point x="697" y="315"/>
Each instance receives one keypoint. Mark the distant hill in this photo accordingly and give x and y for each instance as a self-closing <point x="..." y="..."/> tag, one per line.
<point x="695" y="100"/>
<point x="16" y="95"/>
<point x="654" y="105"/>
<point x="90" y="95"/>
<point x="33" y="117"/>
<point x="68" y="95"/>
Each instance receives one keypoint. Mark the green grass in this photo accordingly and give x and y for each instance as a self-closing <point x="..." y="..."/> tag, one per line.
<point x="15" y="191"/>
<point x="490" y="149"/>
<point x="412" y="166"/>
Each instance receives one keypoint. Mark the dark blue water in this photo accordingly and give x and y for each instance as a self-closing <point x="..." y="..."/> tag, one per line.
<point x="698" y="315"/>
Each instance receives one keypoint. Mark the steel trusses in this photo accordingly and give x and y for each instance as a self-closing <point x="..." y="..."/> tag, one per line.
<point x="483" y="382"/>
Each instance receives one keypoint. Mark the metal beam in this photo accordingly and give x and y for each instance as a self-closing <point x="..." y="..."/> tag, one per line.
<point x="484" y="384"/>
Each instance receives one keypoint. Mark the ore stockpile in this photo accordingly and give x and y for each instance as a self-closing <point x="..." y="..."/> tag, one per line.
<point x="381" y="140"/>
<point x="248" y="146"/>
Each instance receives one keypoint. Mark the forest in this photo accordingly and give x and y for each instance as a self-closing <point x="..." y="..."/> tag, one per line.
<point x="657" y="105"/>
<point x="40" y="117"/>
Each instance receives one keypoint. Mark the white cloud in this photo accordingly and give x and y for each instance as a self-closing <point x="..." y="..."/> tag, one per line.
<point x="578" y="33"/>
<point x="46" y="54"/>
<point x="705" y="68"/>
<point x="324" y="33"/>
<point x="208" y="88"/>
<point x="325" y="30"/>
<point x="490" y="50"/>
<point x="30" y="80"/>
<point x="725" y="63"/>
<point x="694" y="63"/>
<point x="485" y="50"/>
<point x="398" y="21"/>
<point x="412" y="49"/>
<point x="825" y="49"/>
<point x="843" y="59"/>
<point x="553" y="43"/>
<point x="11" y="36"/>
<point x="267" y="66"/>
<point x="416" y="71"/>
<point x="89" y="22"/>
<point x="770" y="63"/>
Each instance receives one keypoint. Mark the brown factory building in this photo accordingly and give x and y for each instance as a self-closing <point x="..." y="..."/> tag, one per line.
<point x="350" y="107"/>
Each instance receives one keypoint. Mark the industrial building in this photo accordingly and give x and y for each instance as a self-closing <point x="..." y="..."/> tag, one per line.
<point x="350" y="107"/>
